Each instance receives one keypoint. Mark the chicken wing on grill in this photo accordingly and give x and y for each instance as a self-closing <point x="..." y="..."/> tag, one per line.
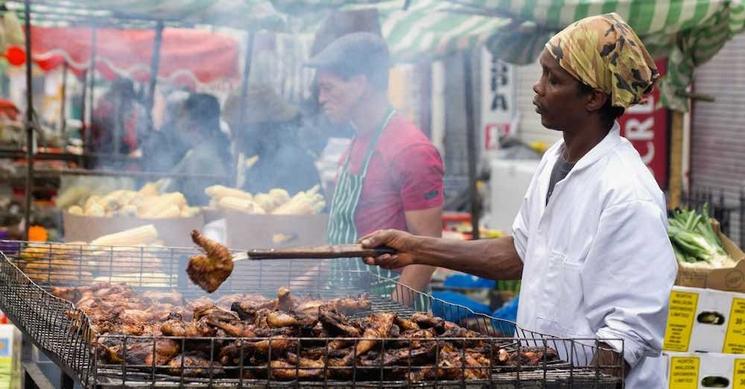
<point x="210" y="270"/>
<point x="337" y="324"/>
<point x="277" y="319"/>
<point x="379" y="327"/>
<point x="191" y="329"/>
<point x="236" y="329"/>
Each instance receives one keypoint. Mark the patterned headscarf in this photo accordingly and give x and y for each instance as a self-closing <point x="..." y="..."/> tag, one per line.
<point x="605" y="53"/>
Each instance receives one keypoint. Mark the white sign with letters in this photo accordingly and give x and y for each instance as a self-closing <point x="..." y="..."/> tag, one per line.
<point x="498" y="110"/>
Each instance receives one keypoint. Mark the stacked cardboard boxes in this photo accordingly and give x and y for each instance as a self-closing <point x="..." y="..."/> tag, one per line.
<point x="705" y="336"/>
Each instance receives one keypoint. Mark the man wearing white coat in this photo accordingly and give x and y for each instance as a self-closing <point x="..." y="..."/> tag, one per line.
<point x="590" y="240"/>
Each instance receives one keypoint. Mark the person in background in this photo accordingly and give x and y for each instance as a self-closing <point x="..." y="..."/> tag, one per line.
<point x="209" y="149"/>
<point x="268" y="141"/>
<point x="391" y="176"/>
<point x="166" y="146"/>
<point x="590" y="240"/>
<point x="119" y="122"/>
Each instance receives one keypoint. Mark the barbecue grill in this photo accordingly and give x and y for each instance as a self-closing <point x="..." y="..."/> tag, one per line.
<point x="66" y="339"/>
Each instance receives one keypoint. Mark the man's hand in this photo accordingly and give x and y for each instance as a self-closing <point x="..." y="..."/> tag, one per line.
<point x="496" y="259"/>
<point x="401" y="241"/>
<point x="609" y="361"/>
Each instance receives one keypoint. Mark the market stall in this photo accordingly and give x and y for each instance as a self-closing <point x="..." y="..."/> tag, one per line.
<point x="283" y="322"/>
<point x="330" y="346"/>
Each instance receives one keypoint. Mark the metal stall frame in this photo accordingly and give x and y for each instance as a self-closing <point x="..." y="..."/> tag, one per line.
<point x="33" y="372"/>
<point x="118" y="20"/>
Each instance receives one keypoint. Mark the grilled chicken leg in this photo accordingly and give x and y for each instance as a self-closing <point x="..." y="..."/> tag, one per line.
<point x="209" y="271"/>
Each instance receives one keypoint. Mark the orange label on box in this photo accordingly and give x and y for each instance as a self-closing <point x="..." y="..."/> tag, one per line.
<point x="734" y="341"/>
<point x="680" y="320"/>
<point x="684" y="372"/>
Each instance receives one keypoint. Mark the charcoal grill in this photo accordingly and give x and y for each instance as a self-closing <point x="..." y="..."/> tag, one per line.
<point x="44" y="319"/>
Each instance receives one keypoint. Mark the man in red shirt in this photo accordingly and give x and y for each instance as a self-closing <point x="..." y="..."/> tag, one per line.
<point x="391" y="175"/>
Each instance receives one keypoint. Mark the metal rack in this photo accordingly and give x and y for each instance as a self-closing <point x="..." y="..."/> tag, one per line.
<point x="64" y="333"/>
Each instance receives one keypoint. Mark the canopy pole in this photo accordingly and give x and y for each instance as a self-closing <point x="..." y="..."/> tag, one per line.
<point x="84" y="130"/>
<point x="91" y="81"/>
<point x="154" y="68"/>
<point x="471" y="144"/>
<point x="29" y="121"/>
<point x="63" y="102"/>
<point x="244" y="96"/>
<point x="246" y="74"/>
<point x="675" y="180"/>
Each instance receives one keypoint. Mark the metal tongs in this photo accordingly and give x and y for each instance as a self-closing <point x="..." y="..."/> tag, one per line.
<point x="318" y="252"/>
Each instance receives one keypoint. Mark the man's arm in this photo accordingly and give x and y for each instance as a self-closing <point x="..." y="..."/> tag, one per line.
<point x="628" y="303"/>
<point x="425" y="222"/>
<point x="495" y="259"/>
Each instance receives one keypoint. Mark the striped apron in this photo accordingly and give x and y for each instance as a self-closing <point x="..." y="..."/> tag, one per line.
<point x="342" y="229"/>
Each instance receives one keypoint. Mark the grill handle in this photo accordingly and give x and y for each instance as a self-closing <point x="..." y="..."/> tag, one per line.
<point x="320" y="252"/>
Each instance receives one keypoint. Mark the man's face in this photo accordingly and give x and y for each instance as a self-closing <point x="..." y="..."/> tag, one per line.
<point x="557" y="98"/>
<point x="338" y="96"/>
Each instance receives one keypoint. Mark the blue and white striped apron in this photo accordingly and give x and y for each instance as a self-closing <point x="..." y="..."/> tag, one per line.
<point x="341" y="226"/>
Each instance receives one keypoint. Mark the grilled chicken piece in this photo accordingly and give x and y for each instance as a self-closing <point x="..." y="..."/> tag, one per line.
<point x="192" y="329"/>
<point x="351" y="305"/>
<point x="528" y="356"/>
<point x="278" y="319"/>
<point x="402" y="356"/>
<point x="406" y="324"/>
<point x="214" y="312"/>
<point x="452" y="363"/>
<point x="136" y="329"/>
<point x="279" y="345"/>
<point x="236" y="329"/>
<point x="194" y="365"/>
<point x="380" y="327"/>
<point x="141" y="353"/>
<point x="321" y="352"/>
<point x="134" y="316"/>
<point x="247" y="310"/>
<point x="346" y="305"/>
<point x="285" y="301"/>
<point x="230" y="354"/>
<point x="337" y="324"/>
<point x="286" y="371"/>
<point x="209" y="271"/>
<point x="426" y="320"/>
<point x="227" y="300"/>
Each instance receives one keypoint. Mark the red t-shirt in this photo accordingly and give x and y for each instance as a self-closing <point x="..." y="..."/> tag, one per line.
<point x="405" y="174"/>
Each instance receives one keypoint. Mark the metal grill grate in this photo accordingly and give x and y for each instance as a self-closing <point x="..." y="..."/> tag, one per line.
<point x="29" y="270"/>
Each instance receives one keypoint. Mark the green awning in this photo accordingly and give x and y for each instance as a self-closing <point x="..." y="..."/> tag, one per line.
<point x="688" y="32"/>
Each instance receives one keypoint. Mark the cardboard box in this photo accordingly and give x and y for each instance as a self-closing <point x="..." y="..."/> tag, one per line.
<point x="10" y="361"/>
<point x="705" y="371"/>
<point x="705" y="320"/>
<point x="247" y="231"/>
<point x="172" y="231"/>
<point x="730" y="279"/>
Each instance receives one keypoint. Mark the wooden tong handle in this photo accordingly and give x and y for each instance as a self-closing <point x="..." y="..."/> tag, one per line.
<point x="331" y="251"/>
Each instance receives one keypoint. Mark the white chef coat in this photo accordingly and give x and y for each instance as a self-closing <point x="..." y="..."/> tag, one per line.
<point x="597" y="262"/>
